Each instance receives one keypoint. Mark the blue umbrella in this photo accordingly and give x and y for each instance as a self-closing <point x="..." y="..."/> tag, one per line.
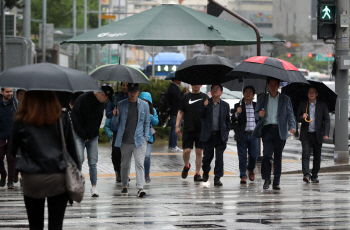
<point x="170" y="76"/>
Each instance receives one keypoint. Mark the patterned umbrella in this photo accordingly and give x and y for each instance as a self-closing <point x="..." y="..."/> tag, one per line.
<point x="261" y="67"/>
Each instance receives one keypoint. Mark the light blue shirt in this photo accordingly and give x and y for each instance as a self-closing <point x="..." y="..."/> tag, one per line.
<point x="143" y="122"/>
<point x="312" y="108"/>
<point x="272" y="108"/>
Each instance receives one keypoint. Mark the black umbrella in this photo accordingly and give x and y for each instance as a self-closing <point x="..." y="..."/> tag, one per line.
<point x="204" y="70"/>
<point x="119" y="73"/>
<point x="298" y="93"/>
<point x="263" y="67"/>
<point x="46" y="76"/>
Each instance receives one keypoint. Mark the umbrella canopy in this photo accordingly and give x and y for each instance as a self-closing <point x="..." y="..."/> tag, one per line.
<point x="239" y="84"/>
<point x="47" y="76"/>
<point x="172" y="25"/>
<point x="204" y="70"/>
<point x="298" y="93"/>
<point x="263" y="67"/>
<point x="119" y="73"/>
<point x="170" y="76"/>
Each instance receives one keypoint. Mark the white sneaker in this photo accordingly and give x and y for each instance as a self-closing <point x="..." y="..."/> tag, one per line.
<point x="178" y="149"/>
<point x="94" y="192"/>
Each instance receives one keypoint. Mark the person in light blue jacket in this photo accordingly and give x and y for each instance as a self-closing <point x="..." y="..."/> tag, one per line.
<point x="146" y="96"/>
<point x="132" y="119"/>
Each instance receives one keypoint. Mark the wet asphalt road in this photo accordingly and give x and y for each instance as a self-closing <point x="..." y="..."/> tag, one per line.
<point x="176" y="203"/>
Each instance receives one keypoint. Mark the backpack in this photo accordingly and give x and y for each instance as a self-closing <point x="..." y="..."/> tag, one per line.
<point x="163" y="108"/>
<point x="164" y="105"/>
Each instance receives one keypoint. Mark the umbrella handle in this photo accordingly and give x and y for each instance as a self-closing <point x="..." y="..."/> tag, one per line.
<point x="307" y="105"/>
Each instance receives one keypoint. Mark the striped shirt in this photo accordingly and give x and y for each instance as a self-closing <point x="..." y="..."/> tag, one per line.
<point x="250" y="117"/>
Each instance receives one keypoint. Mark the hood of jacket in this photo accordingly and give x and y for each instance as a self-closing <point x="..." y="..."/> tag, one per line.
<point x="147" y="96"/>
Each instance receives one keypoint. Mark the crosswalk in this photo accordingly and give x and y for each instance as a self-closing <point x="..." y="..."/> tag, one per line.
<point x="174" y="203"/>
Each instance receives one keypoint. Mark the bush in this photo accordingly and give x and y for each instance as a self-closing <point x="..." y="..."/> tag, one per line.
<point x="103" y="138"/>
<point x="156" y="87"/>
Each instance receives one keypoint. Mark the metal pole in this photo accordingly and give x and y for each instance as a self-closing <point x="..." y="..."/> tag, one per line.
<point x="341" y="152"/>
<point x="74" y="28"/>
<point x="153" y="69"/>
<point x="258" y="36"/>
<point x="85" y="30"/>
<point x="44" y="33"/>
<point x="98" y="46"/>
<point x="109" y="45"/>
<point x="26" y="18"/>
<point x="3" y="46"/>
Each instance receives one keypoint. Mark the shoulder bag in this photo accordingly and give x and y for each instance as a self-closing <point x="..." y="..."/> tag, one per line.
<point x="75" y="181"/>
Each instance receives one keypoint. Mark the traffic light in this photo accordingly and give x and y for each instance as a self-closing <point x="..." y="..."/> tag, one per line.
<point x="310" y="55"/>
<point x="326" y="19"/>
<point x="289" y="55"/>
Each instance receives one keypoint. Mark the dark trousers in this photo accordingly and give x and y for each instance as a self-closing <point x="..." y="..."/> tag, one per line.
<point x="311" y="142"/>
<point x="116" y="155"/>
<point x="273" y="145"/>
<point x="36" y="208"/>
<point x="214" y="143"/>
<point x="11" y="160"/>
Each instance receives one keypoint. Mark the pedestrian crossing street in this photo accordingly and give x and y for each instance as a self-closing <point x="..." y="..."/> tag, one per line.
<point x="174" y="203"/>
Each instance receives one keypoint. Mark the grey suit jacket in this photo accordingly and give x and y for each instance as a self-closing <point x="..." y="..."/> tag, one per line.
<point x="285" y="114"/>
<point x="322" y="121"/>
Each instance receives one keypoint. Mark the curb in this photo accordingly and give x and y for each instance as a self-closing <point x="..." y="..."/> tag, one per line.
<point x="336" y="168"/>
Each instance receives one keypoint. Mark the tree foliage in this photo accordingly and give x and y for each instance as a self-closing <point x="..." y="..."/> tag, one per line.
<point x="13" y="3"/>
<point x="60" y="13"/>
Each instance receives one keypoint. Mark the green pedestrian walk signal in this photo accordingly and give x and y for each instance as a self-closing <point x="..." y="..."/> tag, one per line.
<point x="326" y="19"/>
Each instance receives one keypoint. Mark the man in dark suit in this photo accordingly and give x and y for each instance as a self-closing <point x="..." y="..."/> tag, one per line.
<point x="314" y="117"/>
<point x="243" y="115"/>
<point x="277" y="115"/>
<point x="215" y="115"/>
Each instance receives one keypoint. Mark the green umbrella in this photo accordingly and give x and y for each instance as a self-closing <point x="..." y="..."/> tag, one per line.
<point x="172" y="25"/>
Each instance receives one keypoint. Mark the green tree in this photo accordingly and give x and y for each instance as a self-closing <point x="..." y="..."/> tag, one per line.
<point x="13" y="3"/>
<point x="60" y="13"/>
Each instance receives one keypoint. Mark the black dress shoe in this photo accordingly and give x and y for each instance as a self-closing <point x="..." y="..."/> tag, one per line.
<point x="266" y="184"/>
<point x="217" y="183"/>
<point x="205" y="176"/>
<point x="276" y="187"/>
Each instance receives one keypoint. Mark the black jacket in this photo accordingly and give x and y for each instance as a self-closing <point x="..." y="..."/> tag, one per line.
<point x="322" y="121"/>
<point x="87" y="114"/>
<point x="7" y="111"/>
<point x="206" y="115"/>
<point x="242" y="120"/>
<point x="174" y="97"/>
<point x="41" y="149"/>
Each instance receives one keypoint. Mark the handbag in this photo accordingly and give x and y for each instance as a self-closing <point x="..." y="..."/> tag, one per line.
<point x="75" y="181"/>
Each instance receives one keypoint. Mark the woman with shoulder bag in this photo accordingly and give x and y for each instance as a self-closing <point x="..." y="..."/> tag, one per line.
<point x="146" y="96"/>
<point x="36" y="132"/>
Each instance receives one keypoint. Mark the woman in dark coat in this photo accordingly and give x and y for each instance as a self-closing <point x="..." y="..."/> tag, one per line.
<point x="36" y="133"/>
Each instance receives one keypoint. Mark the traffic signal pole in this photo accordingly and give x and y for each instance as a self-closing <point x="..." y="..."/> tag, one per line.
<point x="341" y="153"/>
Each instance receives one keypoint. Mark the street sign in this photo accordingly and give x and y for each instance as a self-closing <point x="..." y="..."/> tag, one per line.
<point x="107" y="16"/>
<point x="320" y="57"/>
<point x="288" y="44"/>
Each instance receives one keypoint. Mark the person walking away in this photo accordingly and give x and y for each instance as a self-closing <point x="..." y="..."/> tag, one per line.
<point x="8" y="107"/>
<point x="215" y="115"/>
<point x="146" y="96"/>
<point x="116" y="154"/>
<point x="87" y="115"/>
<point x="315" y="125"/>
<point x="243" y="114"/>
<point x="174" y="97"/>
<point x="190" y="104"/>
<point x="132" y="119"/>
<point x="36" y="135"/>
<point x="277" y="113"/>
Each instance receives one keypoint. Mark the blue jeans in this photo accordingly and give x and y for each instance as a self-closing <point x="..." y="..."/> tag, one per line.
<point x="147" y="163"/>
<point x="92" y="155"/>
<point x="250" y="143"/>
<point x="172" y="135"/>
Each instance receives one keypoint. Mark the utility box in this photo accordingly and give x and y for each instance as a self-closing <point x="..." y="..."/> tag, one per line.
<point x="19" y="51"/>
